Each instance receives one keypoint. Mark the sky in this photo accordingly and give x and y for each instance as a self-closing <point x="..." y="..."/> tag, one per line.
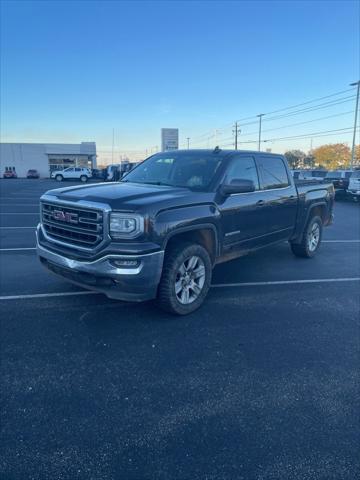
<point x="77" y="71"/>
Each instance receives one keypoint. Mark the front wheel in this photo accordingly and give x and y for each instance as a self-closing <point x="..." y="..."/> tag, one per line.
<point x="59" y="178"/>
<point x="83" y="178"/>
<point x="311" y="239"/>
<point x="185" y="280"/>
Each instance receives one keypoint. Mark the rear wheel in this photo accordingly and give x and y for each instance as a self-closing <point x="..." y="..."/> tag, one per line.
<point x="185" y="280"/>
<point x="83" y="178"/>
<point x="59" y="178"/>
<point x="311" y="239"/>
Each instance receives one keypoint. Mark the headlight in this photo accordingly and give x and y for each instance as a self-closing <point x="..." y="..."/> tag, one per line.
<point x="126" y="225"/>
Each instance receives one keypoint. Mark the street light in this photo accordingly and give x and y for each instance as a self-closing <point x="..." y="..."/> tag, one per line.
<point x="355" y="121"/>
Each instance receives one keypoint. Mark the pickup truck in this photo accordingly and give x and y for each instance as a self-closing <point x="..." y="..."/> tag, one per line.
<point x="160" y="231"/>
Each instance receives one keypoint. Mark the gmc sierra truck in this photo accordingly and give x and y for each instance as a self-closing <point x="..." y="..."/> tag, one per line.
<point x="159" y="232"/>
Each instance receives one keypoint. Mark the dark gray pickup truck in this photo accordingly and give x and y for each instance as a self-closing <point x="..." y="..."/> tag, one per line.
<point x="159" y="232"/>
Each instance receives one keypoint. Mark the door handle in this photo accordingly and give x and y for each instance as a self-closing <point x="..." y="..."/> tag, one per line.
<point x="260" y="203"/>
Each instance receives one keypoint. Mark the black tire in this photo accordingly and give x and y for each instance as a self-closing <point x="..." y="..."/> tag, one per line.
<point x="59" y="178"/>
<point x="83" y="178"/>
<point x="306" y="248"/>
<point x="167" y="298"/>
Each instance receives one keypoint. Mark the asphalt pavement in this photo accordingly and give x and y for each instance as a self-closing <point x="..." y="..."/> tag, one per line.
<point x="261" y="383"/>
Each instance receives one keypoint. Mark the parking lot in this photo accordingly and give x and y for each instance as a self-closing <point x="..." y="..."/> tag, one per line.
<point x="261" y="383"/>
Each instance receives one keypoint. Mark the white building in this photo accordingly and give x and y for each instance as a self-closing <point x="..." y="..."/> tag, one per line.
<point x="45" y="157"/>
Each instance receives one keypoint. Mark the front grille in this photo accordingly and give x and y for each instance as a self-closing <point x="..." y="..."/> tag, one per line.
<point x="81" y="227"/>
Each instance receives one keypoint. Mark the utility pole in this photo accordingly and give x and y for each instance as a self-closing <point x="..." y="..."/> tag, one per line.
<point x="355" y="121"/>
<point x="260" y="118"/>
<point x="236" y="131"/>
<point x="188" y="142"/>
<point x="112" y="148"/>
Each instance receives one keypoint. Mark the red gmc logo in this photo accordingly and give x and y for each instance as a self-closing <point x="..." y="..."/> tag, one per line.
<point x="65" y="216"/>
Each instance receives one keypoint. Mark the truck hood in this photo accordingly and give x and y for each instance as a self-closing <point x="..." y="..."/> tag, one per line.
<point x="131" y="196"/>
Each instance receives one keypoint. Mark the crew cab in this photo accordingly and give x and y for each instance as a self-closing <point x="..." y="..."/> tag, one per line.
<point x="73" y="173"/>
<point x="339" y="178"/>
<point x="160" y="231"/>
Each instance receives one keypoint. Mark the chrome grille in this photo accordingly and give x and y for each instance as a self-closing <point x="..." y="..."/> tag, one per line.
<point x="72" y="225"/>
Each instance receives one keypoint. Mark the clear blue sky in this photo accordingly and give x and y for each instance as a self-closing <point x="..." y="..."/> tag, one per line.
<point x="72" y="71"/>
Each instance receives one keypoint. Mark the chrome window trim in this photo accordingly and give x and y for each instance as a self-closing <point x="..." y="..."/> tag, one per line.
<point x="259" y="191"/>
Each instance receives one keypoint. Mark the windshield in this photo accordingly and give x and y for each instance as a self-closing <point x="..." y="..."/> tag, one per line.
<point x="194" y="170"/>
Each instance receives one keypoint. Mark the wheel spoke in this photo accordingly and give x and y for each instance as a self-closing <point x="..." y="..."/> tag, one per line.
<point x="192" y="263"/>
<point x="195" y="288"/>
<point x="185" y="295"/>
<point x="178" y="286"/>
<point x="182" y="269"/>
<point x="199" y="272"/>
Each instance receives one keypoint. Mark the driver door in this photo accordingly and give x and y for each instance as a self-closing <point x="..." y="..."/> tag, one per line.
<point x="242" y="215"/>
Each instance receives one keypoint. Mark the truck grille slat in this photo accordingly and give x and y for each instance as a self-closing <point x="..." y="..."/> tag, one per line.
<point x="79" y="227"/>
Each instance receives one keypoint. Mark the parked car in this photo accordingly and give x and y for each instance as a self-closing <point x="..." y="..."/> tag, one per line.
<point x="32" y="173"/>
<point x="298" y="174"/>
<point x="315" y="174"/>
<point x="339" y="178"/>
<point x="160" y="231"/>
<point x="354" y="185"/>
<point x="10" y="174"/>
<point x="73" y="173"/>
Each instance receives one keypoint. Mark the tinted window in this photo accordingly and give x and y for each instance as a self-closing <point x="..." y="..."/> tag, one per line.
<point x="194" y="170"/>
<point x="272" y="172"/>
<point x="348" y="174"/>
<point x="242" y="168"/>
<point x="355" y="174"/>
<point x="333" y="175"/>
<point x="77" y="169"/>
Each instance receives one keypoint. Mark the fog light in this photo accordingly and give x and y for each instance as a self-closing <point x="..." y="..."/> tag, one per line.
<point x="124" y="263"/>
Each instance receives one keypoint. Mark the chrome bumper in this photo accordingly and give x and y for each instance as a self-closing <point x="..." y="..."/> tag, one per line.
<point x="102" y="275"/>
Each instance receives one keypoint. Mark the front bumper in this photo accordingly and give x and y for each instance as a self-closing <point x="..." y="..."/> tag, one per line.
<point x="137" y="283"/>
<point x="354" y="192"/>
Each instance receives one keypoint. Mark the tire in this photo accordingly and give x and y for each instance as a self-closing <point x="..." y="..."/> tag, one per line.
<point x="182" y="264"/>
<point x="311" y="239"/>
<point x="59" y="178"/>
<point x="83" y="178"/>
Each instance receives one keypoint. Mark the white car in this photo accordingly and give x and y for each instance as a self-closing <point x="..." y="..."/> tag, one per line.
<point x="74" y="173"/>
<point x="354" y="185"/>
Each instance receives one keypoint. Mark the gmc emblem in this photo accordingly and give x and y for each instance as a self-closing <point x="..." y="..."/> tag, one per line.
<point x="65" y="216"/>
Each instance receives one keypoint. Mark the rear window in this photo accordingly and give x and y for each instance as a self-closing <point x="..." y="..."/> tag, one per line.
<point x="333" y="175"/>
<point x="348" y="174"/>
<point x="319" y="173"/>
<point x="273" y="173"/>
<point x="355" y="174"/>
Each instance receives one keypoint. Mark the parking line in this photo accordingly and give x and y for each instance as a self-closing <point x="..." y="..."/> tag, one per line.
<point x="225" y="285"/>
<point x="285" y="282"/>
<point x="16" y="249"/>
<point x="340" y="241"/>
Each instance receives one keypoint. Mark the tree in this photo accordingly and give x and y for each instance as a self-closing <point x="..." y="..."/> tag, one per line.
<point x="357" y="156"/>
<point x="295" y="158"/>
<point x="332" y="156"/>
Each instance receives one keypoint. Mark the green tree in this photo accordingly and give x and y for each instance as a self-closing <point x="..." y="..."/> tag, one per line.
<point x="295" y="158"/>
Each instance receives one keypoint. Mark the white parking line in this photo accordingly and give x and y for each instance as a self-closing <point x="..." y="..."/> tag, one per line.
<point x="286" y="282"/>
<point x="45" y="295"/>
<point x="340" y="241"/>
<point x="16" y="249"/>
<point x="225" y="285"/>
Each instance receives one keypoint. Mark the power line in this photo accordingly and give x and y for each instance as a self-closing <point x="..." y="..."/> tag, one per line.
<point x="307" y="135"/>
<point x="302" y="123"/>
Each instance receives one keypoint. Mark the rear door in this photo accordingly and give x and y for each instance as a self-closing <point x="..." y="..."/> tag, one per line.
<point x="279" y="209"/>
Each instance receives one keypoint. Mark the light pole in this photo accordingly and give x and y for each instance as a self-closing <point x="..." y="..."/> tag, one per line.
<point x="260" y="117"/>
<point x="188" y="142"/>
<point x="355" y="121"/>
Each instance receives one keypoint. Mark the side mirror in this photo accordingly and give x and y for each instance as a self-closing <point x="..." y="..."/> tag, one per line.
<point x="238" y="185"/>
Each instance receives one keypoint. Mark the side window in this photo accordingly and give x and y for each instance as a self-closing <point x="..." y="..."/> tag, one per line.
<point x="243" y="168"/>
<point x="273" y="173"/>
<point x="77" y="169"/>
